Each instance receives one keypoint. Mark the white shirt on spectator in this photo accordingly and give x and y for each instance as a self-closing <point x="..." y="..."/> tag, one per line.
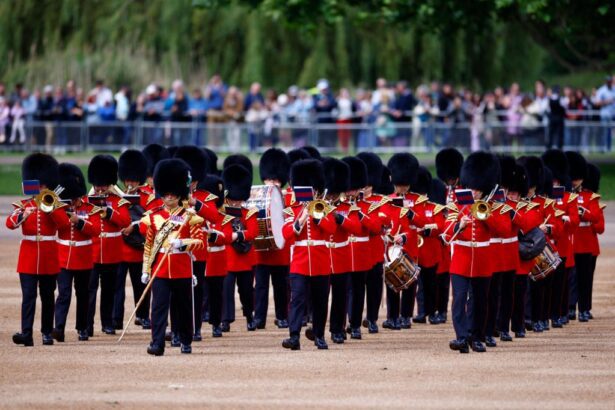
<point x="605" y="93"/>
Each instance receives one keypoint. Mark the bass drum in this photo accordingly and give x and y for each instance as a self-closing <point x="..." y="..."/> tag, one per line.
<point x="269" y="201"/>
<point x="400" y="272"/>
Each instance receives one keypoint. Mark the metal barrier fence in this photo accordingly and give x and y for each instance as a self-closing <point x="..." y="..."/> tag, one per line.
<point x="60" y="137"/>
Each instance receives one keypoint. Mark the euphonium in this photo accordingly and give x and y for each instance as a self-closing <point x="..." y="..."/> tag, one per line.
<point x="481" y="210"/>
<point x="318" y="208"/>
<point x="47" y="200"/>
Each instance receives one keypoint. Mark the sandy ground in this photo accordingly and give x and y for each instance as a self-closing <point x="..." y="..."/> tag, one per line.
<point x="569" y="368"/>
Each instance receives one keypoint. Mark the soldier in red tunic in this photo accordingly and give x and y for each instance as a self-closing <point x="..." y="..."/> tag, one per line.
<point x="153" y="154"/>
<point x="107" y="247"/>
<point x="38" y="263"/>
<point x="132" y="171"/>
<point x="310" y="265"/>
<point x="172" y="232"/>
<point x="75" y="251"/>
<point x="274" y="167"/>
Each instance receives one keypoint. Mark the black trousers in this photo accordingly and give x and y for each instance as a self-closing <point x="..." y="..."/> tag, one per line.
<point x="46" y="287"/>
<point x="557" y="291"/>
<point x="198" y="270"/>
<point x="591" y="281"/>
<point x="583" y="263"/>
<point x="135" y="269"/>
<point x="420" y="297"/>
<point x="162" y="291"/>
<point x="244" y="280"/>
<point x="573" y="291"/>
<point x="500" y="306"/>
<point x="214" y="286"/>
<point x="540" y="292"/>
<point x="279" y="280"/>
<point x="517" y="322"/>
<point x="373" y="290"/>
<point x="443" y="282"/>
<point x="406" y="297"/>
<point x="81" y="280"/>
<point x="106" y="274"/>
<point x="339" y="301"/>
<point x="469" y="313"/>
<point x="430" y="289"/>
<point x="319" y="295"/>
<point x="357" y="285"/>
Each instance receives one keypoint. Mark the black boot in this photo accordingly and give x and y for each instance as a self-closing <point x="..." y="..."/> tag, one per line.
<point x="58" y="334"/>
<point x="309" y="334"/>
<point x="490" y="341"/>
<point x="225" y="327"/>
<point x="47" y="339"/>
<point x="291" y="343"/>
<point x="477" y="346"/>
<point x="505" y="336"/>
<point x="155" y="350"/>
<point x="23" y="339"/>
<point x="175" y="342"/>
<point x="83" y="335"/>
<point x="321" y="343"/>
<point x="186" y="349"/>
<point x="216" y="331"/>
<point x="461" y="345"/>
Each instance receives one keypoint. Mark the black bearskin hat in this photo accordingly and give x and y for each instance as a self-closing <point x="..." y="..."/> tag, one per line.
<point x="274" y="164"/>
<point x="238" y="159"/>
<point x="172" y="176"/>
<point x="154" y="153"/>
<point x="72" y="180"/>
<point x="577" y="165"/>
<point x="386" y="184"/>
<point x="480" y="171"/>
<point x="557" y="162"/>
<point x="237" y="182"/>
<point x="132" y="166"/>
<point x="547" y="185"/>
<point x="448" y="164"/>
<point x="592" y="181"/>
<point x="102" y="170"/>
<point x="337" y="175"/>
<point x="518" y="182"/>
<point x="403" y="167"/>
<point x="212" y="164"/>
<point x="196" y="159"/>
<point x="508" y="166"/>
<point x="358" y="173"/>
<point x="298" y="154"/>
<point x="215" y="185"/>
<point x="172" y="149"/>
<point x="43" y="167"/>
<point x="437" y="192"/>
<point x="374" y="167"/>
<point x="423" y="181"/>
<point x="313" y="152"/>
<point x="534" y="169"/>
<point x="308" y="172"/>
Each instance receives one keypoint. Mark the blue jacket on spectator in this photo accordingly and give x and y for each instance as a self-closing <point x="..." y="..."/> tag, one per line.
<point x="251" y="99"/>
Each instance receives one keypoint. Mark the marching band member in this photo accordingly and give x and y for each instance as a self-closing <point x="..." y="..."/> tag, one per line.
<point x="107" y="249"/>
<point x="75" y="251"/>
<point x="448" y="168"/>
<point x="471" y="265"/>
<point x="337" y="182"/>
<point x="172" y="233"/>
<point x="154" y="153"/>
<point x="407" y="220"/>
<point x="557" y="162"/>
<point x="37" y="263"/>
<point x="240" y="255"/>
<point x="310" y="264"/>
<point x="274" y="167"/>
<point x="132" y="171"/>
<point x="585" y="241"/>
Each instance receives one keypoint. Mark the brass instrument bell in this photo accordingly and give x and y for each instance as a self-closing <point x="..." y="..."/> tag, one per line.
<point x="481" y="210"/>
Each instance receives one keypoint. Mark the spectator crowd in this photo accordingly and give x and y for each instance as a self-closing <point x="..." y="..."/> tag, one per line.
<point x="390" y="115"/>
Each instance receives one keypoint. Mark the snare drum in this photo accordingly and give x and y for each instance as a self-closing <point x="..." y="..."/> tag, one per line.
<point x="400" y="271"/>
<point x="545" y="263"/>
<point x="269" y="201"/>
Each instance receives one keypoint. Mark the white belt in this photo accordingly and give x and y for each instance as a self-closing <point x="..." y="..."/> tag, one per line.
<point x="39" y="238"/>
<point x="470" y="244"/>
<point x="172" y="251"/>
<point x="338" y="244"/>
<point x="504" y="240"/>
<point x="359" y="239"/>
<point x="216" y="248"/>
<point x="110" y="234"/>
<point x="311" y="243"/>
<point x="74" y="243"/>
<point x="585" y="224"/>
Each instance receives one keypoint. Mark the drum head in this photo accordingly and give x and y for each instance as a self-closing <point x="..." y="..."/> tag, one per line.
<point x="276" y="213"/>
<point x="394" y="252"/>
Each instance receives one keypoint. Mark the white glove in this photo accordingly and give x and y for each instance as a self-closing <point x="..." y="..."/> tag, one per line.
<point x="177" y="243"/>
<point x="194" y="281"/>
<point x="144" y="278"/>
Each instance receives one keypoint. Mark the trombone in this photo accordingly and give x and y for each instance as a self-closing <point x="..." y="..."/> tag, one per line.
<point x="47" y="200"/>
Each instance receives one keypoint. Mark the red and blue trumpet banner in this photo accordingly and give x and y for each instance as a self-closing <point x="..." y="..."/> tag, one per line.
<point x="31" y="187"/>
<point x="303" y="193"/>
<point x="464" y="196"/>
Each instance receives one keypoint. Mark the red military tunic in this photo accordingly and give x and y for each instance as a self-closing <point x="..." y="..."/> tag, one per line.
<point x="585" y="238"/>
<point x="339" y="242"/>
<point x="107" y="247"/>
<point x="277" y="257"/>
<point x="310" y="254"/>
<point x="239" y="262"/>
<point x="568" y="205"/>
<point x="75" y="241"/>
<point x="147" y="201"/>
<point x="206" y="205"/>
<point x="430" y="254"/>
<point x="216" y="251"/>
<point x="380" y="209"/>
<point x="533" y="215"/>
<point x="38" y="251"/>
<point x="178" y="262"/>
<point x="505" y="247"/>
<point x="409" y="228"/>
<point x="362" y="244"/>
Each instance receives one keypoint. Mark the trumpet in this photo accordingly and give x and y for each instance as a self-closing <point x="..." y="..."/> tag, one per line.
<point x="481" y="210"/>
<point x="318" y="208"/>
<point x="48" y="200"/>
